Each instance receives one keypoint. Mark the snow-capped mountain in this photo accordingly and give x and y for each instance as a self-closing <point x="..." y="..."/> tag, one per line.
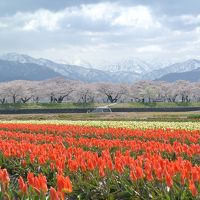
<point x="75" y="72"/>
<point x="185" y="66"/>
<point x="67" y="70"/>
<point x="159" y="63"/>
<point x="134" y="65"/>
<point x="21" y="58"/>
<point x="126" y="71"/>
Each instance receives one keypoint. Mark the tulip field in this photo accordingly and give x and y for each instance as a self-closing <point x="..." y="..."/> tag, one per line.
<point x="99" y="160"/>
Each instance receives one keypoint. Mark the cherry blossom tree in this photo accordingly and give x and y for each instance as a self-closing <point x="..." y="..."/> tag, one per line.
<point x="113" y="92"/>
<point x="59" y="90"/>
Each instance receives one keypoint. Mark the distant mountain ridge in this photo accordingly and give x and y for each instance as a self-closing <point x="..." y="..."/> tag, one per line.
<point x="72" y="72"/>
<point x="192" y="76"/>
<point x="185" y="66"/>
<point x="10" y="70"/>
<point x="127" y="71"/>
<point x="75" y="72"/>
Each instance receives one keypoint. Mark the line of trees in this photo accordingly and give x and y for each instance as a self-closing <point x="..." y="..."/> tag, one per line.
<point x="61" y="90"/>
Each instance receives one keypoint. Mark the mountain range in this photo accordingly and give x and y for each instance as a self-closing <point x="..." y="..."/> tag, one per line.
<point x="15" y="66"/>
<point x="181" y="67"/>
<point x="192" y="76"/>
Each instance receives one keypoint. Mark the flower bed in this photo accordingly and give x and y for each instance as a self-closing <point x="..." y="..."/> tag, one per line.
<point x="49" y="161"/>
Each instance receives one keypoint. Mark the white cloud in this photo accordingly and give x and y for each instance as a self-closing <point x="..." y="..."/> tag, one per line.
<point x="191" y="19"/>
<point x="101" y="11"/>
<point x="117" y="15"/>
<point x="138" y="17"/>
<point x="41" y="19"/>
<point x="150" y="49"/>
<point x="94" y="32"/>
<point x="3" y="25"/>
<point x="85" y="16"/>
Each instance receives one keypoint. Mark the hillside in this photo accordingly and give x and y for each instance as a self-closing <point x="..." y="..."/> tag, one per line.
<point x="10" y="70"/>
<point x="191" y="76"/>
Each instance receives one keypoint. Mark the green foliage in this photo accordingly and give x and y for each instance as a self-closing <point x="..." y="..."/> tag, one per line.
<point x="12" y="106"/>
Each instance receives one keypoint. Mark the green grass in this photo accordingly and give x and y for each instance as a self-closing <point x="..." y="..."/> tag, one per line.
<point x="194" y="116"/>
<point x="48" y="105"/>
<point x="94" y="105"/>
<point x="156" y="105"/>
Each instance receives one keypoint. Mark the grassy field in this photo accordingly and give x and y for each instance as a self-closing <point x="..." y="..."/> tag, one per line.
<point x="156" y="105"/>
<point x="122" y="116"/>
<point x="94" y="105"/>
<point x="48" y="105"/>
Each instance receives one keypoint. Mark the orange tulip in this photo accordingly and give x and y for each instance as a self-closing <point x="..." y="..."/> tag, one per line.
<point x="193" y="188"/>
<point x="64" y="184"/>
<point x="22" y="186"/>
<point x="53" y="194"/>
<point x="4" y="177"/>
<point x="169" y="180"/>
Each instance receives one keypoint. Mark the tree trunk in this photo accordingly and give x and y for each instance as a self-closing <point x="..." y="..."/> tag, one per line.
<point x="14" y="99"/>
<point x="25" y="99"/>
<point x="60" y="99"/>
<point x="3" y="100"/>
<point x="36" y="100"/>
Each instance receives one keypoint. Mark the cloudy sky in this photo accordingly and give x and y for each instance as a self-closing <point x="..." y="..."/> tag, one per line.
<point x="81" y="31"/>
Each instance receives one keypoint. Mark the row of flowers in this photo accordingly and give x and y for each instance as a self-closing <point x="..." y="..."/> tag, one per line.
<point x="18" y="143"/>
<point x="191" y="136"/>
<point x="124" y="124"/>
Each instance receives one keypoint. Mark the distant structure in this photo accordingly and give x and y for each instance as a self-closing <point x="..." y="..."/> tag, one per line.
<point x="103" y="108"/>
